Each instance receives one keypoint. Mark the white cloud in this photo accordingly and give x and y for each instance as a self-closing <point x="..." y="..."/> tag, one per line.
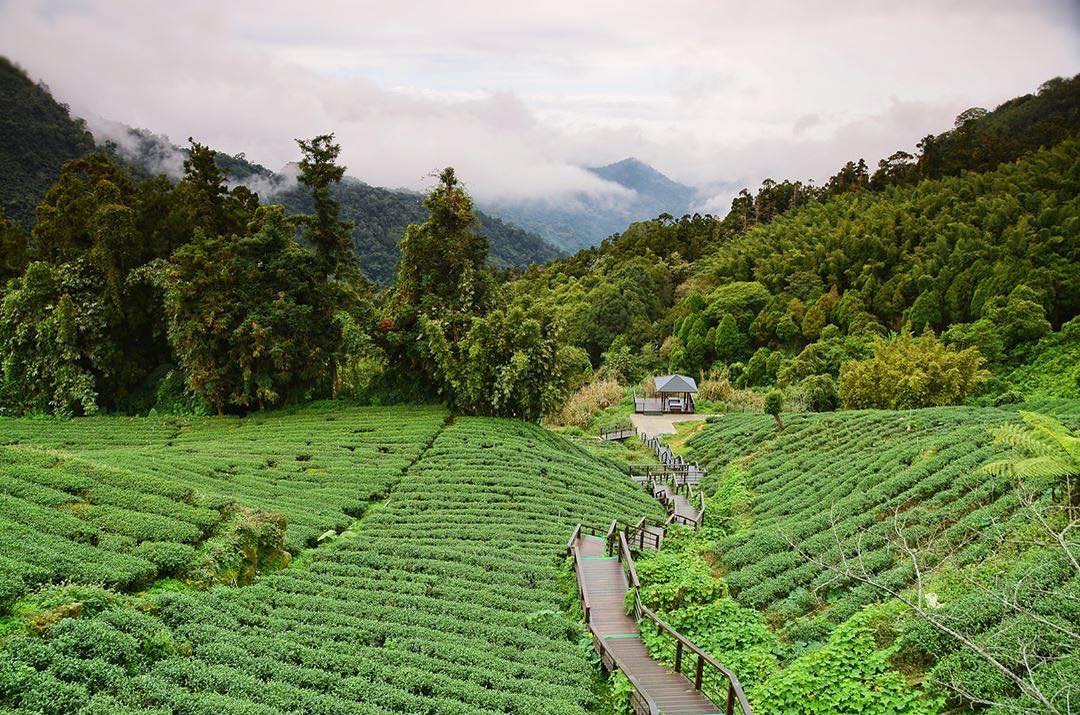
<point x="519" y="96"/>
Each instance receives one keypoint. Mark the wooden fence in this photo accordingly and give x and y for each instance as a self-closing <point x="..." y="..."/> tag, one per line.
<point x="683" y="645"/>
<point x="622" y="540"/>
<point x="615" y="434"/>
<point x="640" y="702"/>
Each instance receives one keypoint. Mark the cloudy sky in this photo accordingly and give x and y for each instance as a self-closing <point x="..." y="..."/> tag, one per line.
<point x="519" y="95"/>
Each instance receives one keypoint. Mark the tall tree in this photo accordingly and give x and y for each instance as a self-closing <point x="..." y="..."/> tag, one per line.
<point x="246" y="316"/>
<point x="91" y="240"/>
<point x="203" y="201"/>
<point x="325" y="232"/>
<point x="442" y="259"/>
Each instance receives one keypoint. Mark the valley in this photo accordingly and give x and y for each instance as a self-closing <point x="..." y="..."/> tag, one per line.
<point x="287" y="442"/>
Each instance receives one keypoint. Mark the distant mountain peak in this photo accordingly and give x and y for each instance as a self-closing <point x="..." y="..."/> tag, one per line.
<point x="646" y="180"/>
<point x="588" y="220"/>
<point x="628" y="161"/>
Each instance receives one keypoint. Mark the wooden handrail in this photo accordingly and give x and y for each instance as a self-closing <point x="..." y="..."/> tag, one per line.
<point x="683" y="520"/>
<point x="735" y="689"/>
<point x="683" y="476"/>
<point x="598" y="642"/>
<point x="602" y="649"/>
<point x="627" y="560"/>
<point x="573" y="537"/>
<point x="586" y="608"/>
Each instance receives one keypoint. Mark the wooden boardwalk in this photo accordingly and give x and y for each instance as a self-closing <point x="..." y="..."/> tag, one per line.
<point x="606" y="576"/>
<point x="604" y="587"/>
<point x="685" y="512"/>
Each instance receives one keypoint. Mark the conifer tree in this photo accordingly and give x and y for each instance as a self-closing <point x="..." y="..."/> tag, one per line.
<point x="325" y="232"/>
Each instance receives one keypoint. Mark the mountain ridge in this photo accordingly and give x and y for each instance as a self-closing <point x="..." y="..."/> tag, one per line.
<point x="635" y="174"/>
<point x="38" y="135"/>
<point x="583" y="220"/>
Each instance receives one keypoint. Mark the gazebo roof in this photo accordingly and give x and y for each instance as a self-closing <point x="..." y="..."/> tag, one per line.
<point x="675" y="383"/>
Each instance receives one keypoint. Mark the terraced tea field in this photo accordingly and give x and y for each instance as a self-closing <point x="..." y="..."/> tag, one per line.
<point x="317" y="466"/>
<point x="121" y="501"/>
<point x="837" y="494"/>
<point x="446" y="597"/>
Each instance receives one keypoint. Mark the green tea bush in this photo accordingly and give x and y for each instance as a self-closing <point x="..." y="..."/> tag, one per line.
<point x="839" y="486"/>
<point x="446" y="598"/>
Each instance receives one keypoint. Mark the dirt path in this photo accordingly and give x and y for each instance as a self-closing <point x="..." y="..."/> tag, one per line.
<point x="655" y="425"/>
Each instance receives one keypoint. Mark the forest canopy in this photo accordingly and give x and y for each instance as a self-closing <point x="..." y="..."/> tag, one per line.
<point x="130" y="292"/>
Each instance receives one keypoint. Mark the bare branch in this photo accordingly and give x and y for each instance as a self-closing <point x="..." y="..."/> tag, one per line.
<point x="1021" y="683"/>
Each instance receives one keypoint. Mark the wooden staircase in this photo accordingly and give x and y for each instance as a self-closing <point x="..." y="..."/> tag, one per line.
<point x="605" y="570"/>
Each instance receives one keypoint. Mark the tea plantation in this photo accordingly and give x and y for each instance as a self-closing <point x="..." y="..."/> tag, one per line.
<point x="449" y="595"/>
<point x="809" y="525"/>
<point x="318" y="466"/>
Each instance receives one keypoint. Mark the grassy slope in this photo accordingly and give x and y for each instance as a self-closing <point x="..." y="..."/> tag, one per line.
<point x="853" y="472"/>
<point x="445" y="599"/>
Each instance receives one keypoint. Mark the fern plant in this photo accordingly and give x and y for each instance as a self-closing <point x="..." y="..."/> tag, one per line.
<point x="1044" y="452"/>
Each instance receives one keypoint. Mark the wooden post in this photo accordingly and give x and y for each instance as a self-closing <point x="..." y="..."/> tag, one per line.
<point x="678" y="656"/>
<point x="730" y="698"/>
<point x="697" y="674"/>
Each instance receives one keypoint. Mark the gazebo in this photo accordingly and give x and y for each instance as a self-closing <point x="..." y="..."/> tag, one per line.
<point x="674" y="393"/>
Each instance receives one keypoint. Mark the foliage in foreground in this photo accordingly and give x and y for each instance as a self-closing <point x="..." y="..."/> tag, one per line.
<point x="847" y="674"/>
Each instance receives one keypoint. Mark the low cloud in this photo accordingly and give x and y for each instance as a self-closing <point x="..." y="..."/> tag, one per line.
<point x="520" y="98"/>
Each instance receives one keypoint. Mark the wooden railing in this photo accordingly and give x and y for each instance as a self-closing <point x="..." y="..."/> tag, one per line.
<point x="640" y="702"/>
<point x="669" y="504"/>
<point x="640" y="535"/>
<point x="621" y="540"/>
<point x="688" y="474"/>
<point x="672" y="463"/>
<point x="663" y="405"/>
<point x="617" y="432"/>
<point x="735" y="693"/>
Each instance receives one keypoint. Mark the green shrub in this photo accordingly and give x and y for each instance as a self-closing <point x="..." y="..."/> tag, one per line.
<point x="728" y="508"/>
<point x="818" y="393"/>
<point x="676" y="577"/>
<point x="774" y="405"/>
<point x="169" y="558"/>
<point x="250" y="541"/>
<point x="907" y="372"/>
<point x="849" y="675"/>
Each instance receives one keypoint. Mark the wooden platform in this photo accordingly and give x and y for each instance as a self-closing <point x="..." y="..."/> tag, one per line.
<point x="603" y="582"/>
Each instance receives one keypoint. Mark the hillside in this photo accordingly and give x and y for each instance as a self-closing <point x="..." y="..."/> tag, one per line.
<point x="38" y="136"/>
<point x="379" y="216"/>
<point x="796" y="280"/>
<point x="862" y="262"/>
<point x="444" y="596"/>
<point x="811" y="528"/>
<point x="581" y="221"/>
